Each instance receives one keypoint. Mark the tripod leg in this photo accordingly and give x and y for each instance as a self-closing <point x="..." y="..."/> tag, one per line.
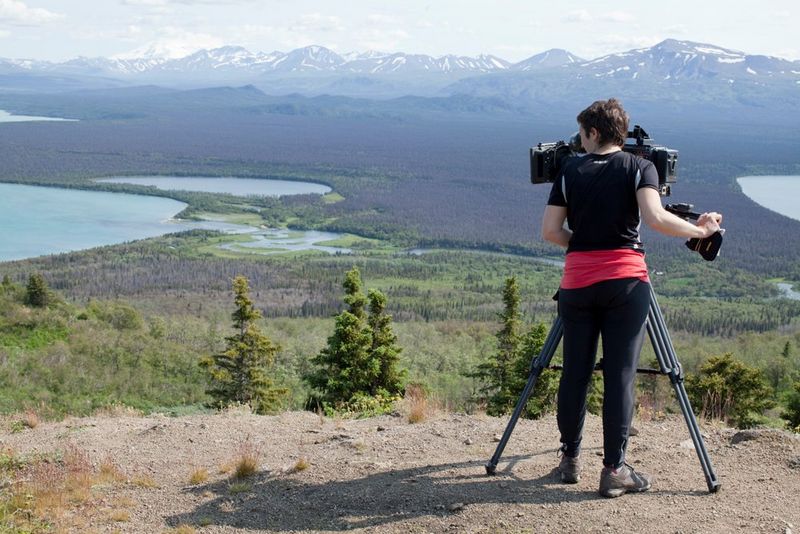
<point x="668" y="360"/>
<point x="537" y="365"/>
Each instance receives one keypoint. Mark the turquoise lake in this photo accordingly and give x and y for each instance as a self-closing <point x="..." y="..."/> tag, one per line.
<point x="36" y="221"/>
<point x="48" y="220"/>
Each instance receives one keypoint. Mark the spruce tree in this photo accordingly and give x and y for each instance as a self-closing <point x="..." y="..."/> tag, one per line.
<point x="384" y="347"/>
<point x="498" y="373"/>
<point x="241" y="372"/>
<point x="37" y="293"/>
<point x="543" y="398"/>
<point x="357" y="370"/>
<point x="344" y="368"/>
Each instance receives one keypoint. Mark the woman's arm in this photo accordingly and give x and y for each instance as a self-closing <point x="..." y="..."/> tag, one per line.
<point x="659" y="219"/>
<point x="553" y="225"/>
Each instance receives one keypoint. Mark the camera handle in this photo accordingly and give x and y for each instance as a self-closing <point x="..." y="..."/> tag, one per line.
<point x="668" y="362"/>
<point x="707" y="247"/>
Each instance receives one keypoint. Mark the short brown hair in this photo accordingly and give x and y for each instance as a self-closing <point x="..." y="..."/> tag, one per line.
<point x="608" y="118"/>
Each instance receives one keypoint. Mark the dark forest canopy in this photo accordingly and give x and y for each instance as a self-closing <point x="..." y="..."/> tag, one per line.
<point x="450" y="179"/>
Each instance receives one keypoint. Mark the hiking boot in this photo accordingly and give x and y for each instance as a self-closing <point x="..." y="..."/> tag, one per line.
<point x="616" y="482"/>
<point x="570" y="468"/>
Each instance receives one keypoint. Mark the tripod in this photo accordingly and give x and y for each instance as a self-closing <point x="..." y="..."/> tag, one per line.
<point x="668" y="362"/>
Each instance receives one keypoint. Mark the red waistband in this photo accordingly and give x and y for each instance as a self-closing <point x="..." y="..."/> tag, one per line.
<point x="583" y="269"/>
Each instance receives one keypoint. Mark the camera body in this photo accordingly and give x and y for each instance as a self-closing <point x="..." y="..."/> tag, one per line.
<point x="547" y="159"/>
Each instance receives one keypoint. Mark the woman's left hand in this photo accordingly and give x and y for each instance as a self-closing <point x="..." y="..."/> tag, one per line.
<point x="710" y="222"/>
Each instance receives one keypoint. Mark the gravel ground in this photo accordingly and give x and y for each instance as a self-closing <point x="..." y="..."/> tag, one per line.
<point x="386" y="475"/>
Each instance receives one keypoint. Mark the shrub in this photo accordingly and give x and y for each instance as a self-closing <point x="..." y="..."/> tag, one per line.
<point x="727" y="389"/>
<point x="792" y="412"/>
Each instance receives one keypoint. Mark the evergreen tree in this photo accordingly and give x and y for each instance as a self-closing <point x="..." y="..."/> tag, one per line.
<point x="6" y="284"/>
<point x="344" y="369"/>
<point x="354" y="296"/>
<point x="241" y="372"/>
<point x="37" y="293"/>
<point x="384" y="346"/>
<point x="544" y="396"/>
<point x="498" y="374"/>
<point x="357" y="370"/>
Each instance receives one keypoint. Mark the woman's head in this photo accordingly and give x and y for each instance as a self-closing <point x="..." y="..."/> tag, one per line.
<point x="608" y="118"/>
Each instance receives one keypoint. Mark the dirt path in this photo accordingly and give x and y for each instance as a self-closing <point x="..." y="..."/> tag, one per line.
<point x="386" y="475"/>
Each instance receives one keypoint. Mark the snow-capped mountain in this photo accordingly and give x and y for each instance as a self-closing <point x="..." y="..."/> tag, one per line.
<point x="319" y="70"/>
<point x="673" y="59"/>
<point x="311" y="59"/>
<point x="684" y="72"/>
<point x="552" y="58"/>
<point x="670" y="58"/>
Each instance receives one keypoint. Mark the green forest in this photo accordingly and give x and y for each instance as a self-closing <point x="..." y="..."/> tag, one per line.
<point x="439" y="213"/>
<point x="85" y="347"/>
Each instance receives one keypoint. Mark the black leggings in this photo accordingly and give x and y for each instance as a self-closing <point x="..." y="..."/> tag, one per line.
<point x="617" y="309"/>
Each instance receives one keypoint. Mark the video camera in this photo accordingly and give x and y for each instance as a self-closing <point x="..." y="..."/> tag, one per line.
<point x="547" y="159"/>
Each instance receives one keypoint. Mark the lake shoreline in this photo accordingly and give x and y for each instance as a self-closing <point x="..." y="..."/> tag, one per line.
<point x="84" y="216"/>
<point x="773" y="192"/>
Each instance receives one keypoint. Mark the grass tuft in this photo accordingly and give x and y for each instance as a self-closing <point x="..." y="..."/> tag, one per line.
<point x="198" y="475"/>
<point x="30" y="419"/>
<point x="117" y="409"/>
<point x="300" y="465"/>
<point x="110" y="471"/>
<point x="248" y="459"/>
<point x="120" y="516"/>
<point x="144" y="481"/>
<point x="416" y="399"/>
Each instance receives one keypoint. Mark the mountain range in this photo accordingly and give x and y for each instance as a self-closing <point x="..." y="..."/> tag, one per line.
<point x="683" y="74"/>
<point x="668" y="59"/>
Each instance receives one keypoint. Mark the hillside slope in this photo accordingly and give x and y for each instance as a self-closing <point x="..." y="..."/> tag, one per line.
<point x="386" y="475"/>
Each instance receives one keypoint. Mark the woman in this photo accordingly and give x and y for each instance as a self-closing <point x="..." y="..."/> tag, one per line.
<point x="605" y="289"/>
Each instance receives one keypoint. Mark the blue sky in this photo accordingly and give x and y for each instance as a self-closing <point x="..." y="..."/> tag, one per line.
<point x="513" y="30"/>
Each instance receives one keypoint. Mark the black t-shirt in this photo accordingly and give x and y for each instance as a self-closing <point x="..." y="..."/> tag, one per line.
<point x="599" y="192"/>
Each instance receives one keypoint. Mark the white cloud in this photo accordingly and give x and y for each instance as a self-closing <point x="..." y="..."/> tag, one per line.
<point x="376" y="18"/>
<point x="158" y="3"/>
<point x="317" y="22"/>
<point x="373" y="39"/>
<point x="618" y="16"/>
<point x="146" y="3"/>
<point x="676" y="29"/>
<point x="580" y="15"/>
<point x="19" y="14"/>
